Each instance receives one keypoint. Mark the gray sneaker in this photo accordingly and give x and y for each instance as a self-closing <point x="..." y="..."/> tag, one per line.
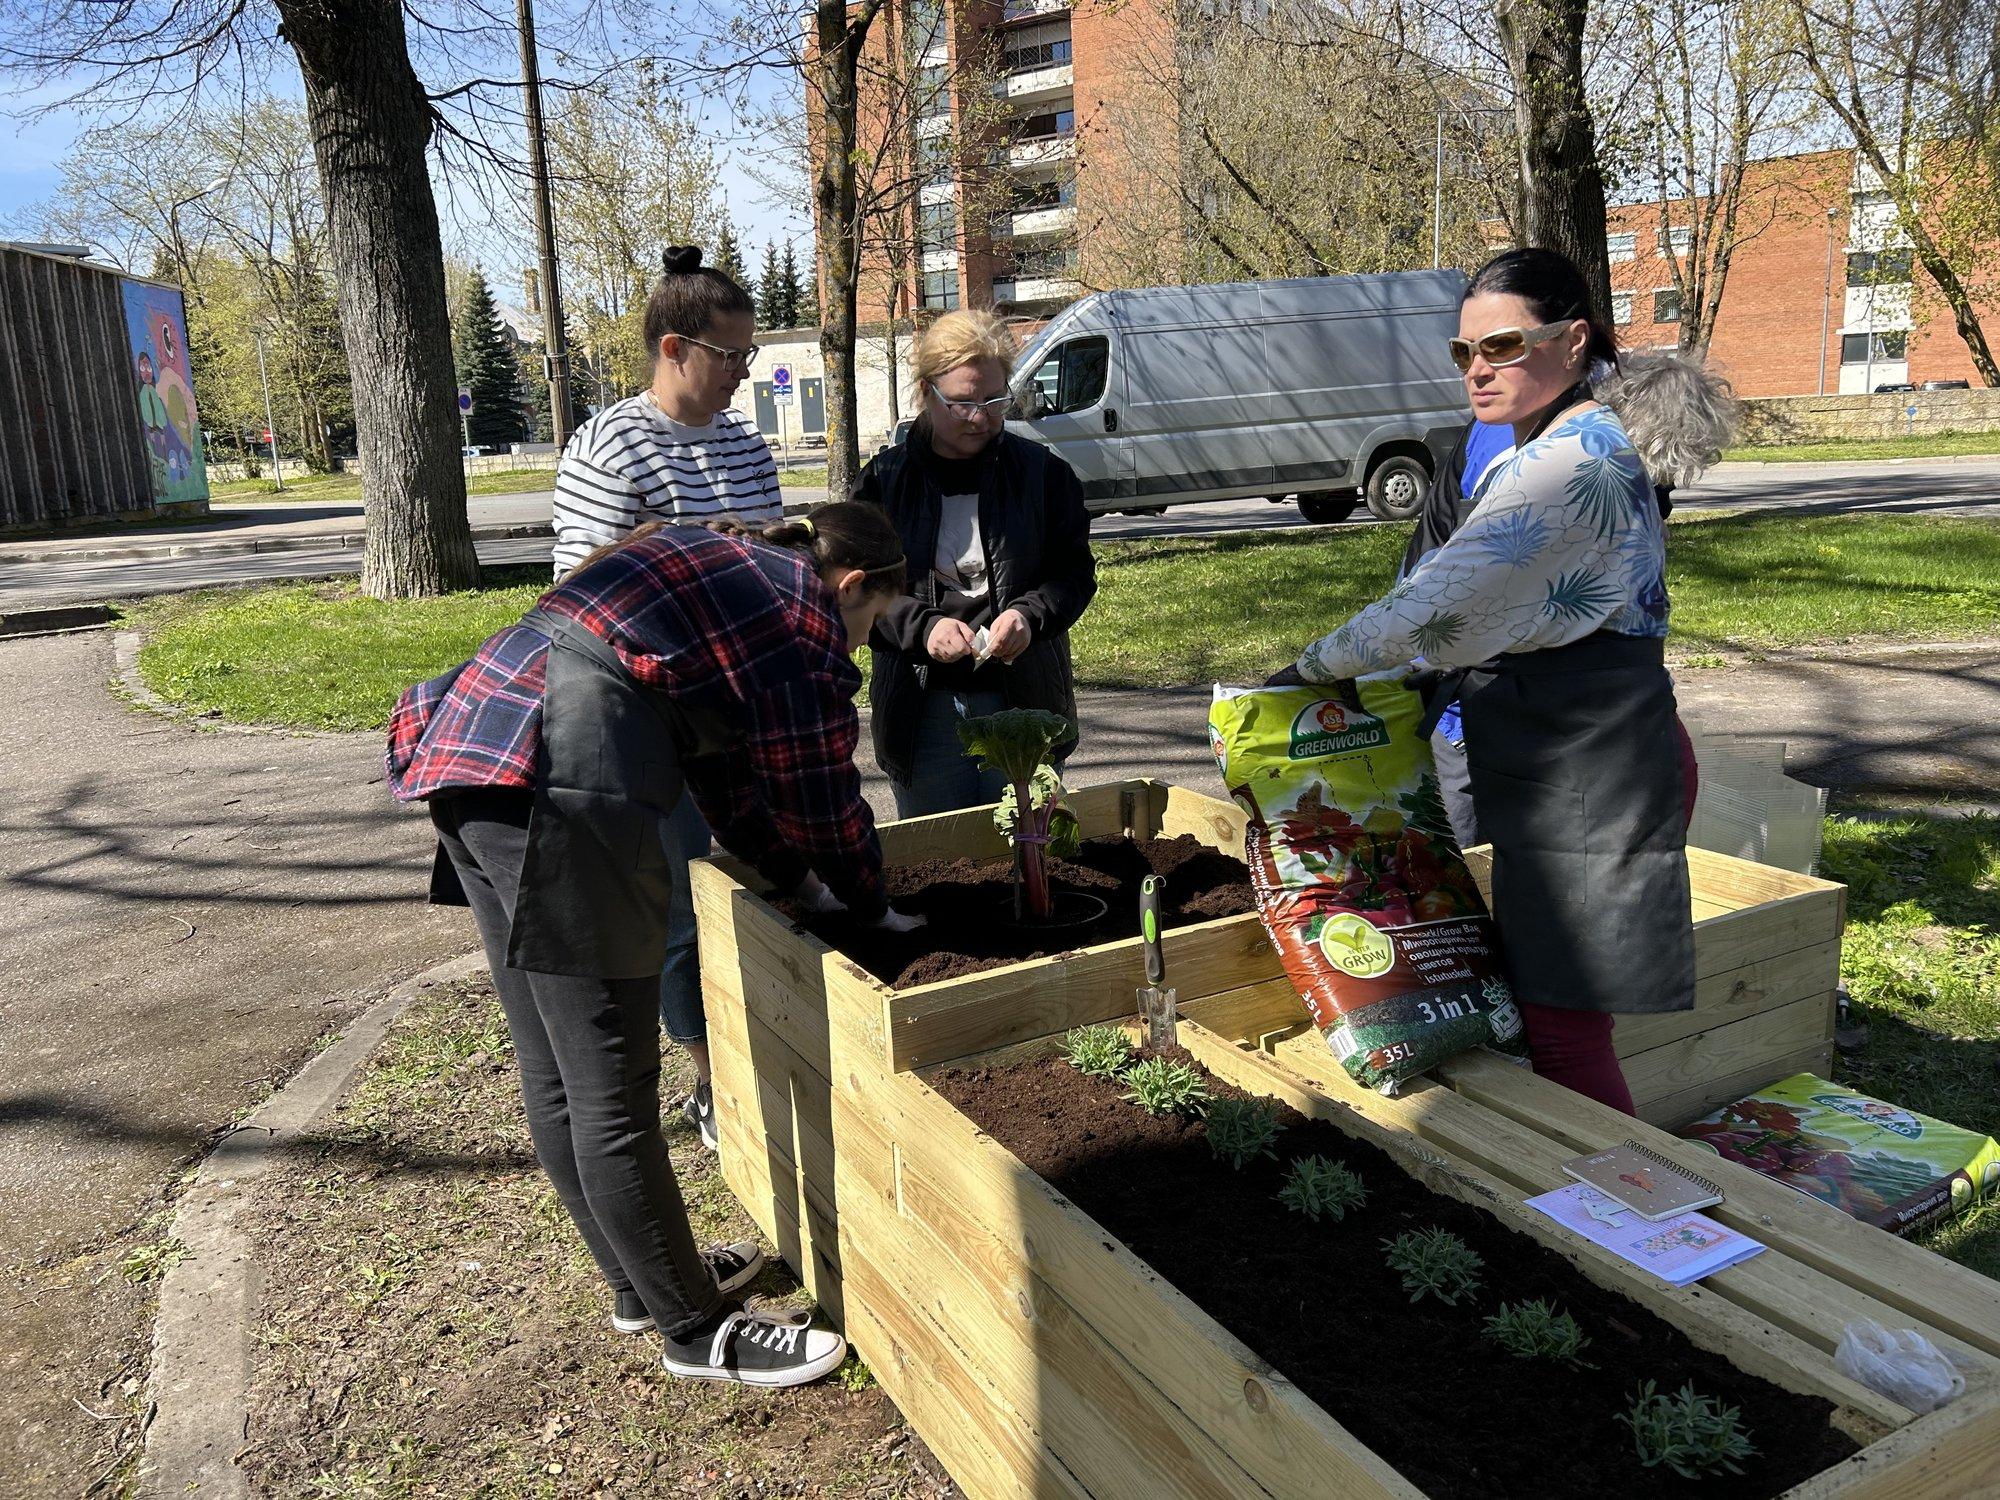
<point x="733" y="1266"/>
<point x="700" y="1113"/>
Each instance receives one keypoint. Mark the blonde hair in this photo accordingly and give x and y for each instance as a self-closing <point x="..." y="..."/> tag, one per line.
<point x="961" y="338"/>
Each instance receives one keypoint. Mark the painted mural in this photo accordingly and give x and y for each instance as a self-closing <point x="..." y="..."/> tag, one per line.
<point x="156" y="329"/>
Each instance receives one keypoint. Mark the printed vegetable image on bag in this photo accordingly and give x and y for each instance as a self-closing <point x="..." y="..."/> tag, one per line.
<point x="1359" y="880"/>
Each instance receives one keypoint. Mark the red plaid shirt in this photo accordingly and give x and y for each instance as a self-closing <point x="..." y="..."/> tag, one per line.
<point x="708" y="619"/>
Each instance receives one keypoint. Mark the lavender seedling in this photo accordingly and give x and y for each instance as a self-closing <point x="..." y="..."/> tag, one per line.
<point x="1435" y="1263"/>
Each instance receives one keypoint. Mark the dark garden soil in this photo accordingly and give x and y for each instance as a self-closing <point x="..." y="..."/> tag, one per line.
<point x="969" y="907"/>
<point x="1417" y="1382"/>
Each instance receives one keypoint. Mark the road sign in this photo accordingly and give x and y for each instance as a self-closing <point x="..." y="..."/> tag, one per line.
<point x="782" y="394"/>
<point x="464" y="401"/>
<point x="781" y="381"/>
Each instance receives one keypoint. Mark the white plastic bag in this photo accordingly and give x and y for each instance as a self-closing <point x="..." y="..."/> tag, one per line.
<point x="1898" y="1363"/>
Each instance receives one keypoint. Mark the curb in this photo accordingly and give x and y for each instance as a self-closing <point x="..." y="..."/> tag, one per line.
<point x="132" y="687"/>
<point x="203" y="1336"/>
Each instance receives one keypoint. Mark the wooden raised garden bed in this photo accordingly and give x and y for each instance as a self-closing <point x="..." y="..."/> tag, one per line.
<point x="1038" y="1355"/>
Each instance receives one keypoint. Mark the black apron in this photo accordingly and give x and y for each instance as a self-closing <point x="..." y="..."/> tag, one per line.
<point x="1577" y="784"/>
<point x="595" y="882"/>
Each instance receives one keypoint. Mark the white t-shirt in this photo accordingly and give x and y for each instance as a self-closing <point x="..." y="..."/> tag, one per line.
<point x="961" y="550"/>
<point x="633" y="463"/>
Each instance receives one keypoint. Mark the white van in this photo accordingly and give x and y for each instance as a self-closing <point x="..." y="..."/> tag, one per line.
<point x="1329" y="389"/>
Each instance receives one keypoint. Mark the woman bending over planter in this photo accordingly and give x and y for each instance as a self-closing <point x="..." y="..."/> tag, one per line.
<point x="1547" y="611"/>
<point x="677" y="451"/>
<point x="677" y="656"/>
<point x="996" y="528"/>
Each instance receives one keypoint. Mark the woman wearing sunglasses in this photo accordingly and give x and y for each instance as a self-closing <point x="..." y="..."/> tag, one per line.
<point x="999" y="544"/>
<point x="1546" y="612"/>
<point x="675" y="452"/>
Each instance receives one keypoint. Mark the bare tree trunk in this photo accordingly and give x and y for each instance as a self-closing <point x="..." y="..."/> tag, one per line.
<point x="370" y="125"/>
<point x="1562" y="189"/>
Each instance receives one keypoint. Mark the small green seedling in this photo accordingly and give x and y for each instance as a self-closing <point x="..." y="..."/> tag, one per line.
<point x="1322" y="1189"/>
<point x="1692" y="1435"/>
<point x="1162" y="1087"/>
<point x="1435" y="1263"/>
<point x="1241" y="1130"/>
<point x="1098" y="1051"/>
<point x="1535" y="1330"/>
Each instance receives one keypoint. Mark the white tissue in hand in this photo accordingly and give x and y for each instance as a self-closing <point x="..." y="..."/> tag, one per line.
<point x="982" y="644"/>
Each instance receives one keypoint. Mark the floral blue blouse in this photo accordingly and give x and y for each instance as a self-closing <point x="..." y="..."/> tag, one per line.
<point x="1565" y="539"/>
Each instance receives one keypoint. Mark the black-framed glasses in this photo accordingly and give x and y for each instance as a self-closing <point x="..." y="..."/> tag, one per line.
<point x="1505" y="346"/>
<point x="743" y="357"/>
<point x="971" y="411"/>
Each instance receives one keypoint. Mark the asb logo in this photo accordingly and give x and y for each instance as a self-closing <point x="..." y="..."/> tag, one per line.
<point x="1327" y="728"/>
<point x="1875" y="1112"/>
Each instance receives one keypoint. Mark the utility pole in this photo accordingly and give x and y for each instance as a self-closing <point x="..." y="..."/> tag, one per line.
<point x="270" y="427"/>
<point x="555" y="359"/>
<point x="1437" y="196"/>
<point x="1826" y="298"/>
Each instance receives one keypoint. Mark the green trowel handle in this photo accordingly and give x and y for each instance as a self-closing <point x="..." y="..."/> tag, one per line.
<point x="1149" y="929"/>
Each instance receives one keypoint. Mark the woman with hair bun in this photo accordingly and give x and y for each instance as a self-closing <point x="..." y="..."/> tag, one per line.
<point x="676" y="658"/>
<point x="676" y="451"/>
<point x="1545" y="614"/>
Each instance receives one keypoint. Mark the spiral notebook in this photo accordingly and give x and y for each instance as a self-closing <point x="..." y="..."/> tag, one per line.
<point x="1644" y="1181"/>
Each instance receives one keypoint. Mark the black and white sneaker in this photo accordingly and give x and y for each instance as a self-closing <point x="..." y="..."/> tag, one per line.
<point x="733" y="1266"/>
<point x="700" y="1113"/>
<point x="757" y="1348"/>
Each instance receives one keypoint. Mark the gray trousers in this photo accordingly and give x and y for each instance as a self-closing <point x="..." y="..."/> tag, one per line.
<point x="589" y="1055"/>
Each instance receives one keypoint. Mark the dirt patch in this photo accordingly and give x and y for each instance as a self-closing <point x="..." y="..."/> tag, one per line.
<point x="969" y="904"/>
<point x="434" y="1326"/>
<point x="1458" y="1417"/>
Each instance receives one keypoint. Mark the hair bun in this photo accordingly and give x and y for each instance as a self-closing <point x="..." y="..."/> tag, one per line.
<point x="680" y="260"/>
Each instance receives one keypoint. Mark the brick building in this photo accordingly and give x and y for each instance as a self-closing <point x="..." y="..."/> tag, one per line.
<point x="1820" y="295"/>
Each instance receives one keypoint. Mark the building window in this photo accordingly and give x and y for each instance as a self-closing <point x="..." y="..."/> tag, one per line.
<point x="925" y="26"/>
<point x="1622" y="246"/>
<point x="1878" y="267"/>
<point x="938" y="289"/>
<point x="1047" y="126"/>
<point x="935" y="160"/>
<point x="933" y="93"/>
<point x="1667" y="306"/>
<point x="1621" y="307"/>
<point x="1055" y="260"/>
<point x="937" y="225"/>
<point x="1890" y="345"/>
<point x="1681" y="237"/>
<point x="1035" y="47"/>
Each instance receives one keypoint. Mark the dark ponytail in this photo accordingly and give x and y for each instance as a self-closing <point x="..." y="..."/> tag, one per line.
<point x="841" y="535"/>
<point x="1554" y="289"/>
<point x="689" y="298"/>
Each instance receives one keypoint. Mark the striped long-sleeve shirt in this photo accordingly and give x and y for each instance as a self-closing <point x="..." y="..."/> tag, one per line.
<point x="633" y="463"/>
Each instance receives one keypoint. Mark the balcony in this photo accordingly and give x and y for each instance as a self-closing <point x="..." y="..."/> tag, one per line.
<point x="1040" y="153"/>
<point x="1033" y="221"/>
<point x="1886" y="306"/>
<point x="1037" y="85"/>
<point x="1021" y="290"/>
<point x="1030" y="10"/>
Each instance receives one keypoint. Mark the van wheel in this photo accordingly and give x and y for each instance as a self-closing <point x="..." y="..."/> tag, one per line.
<point x="1325" y="510"/>
<point x="1397" y="487"/>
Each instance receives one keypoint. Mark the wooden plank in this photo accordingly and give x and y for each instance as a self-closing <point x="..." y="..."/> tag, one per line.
<point x="935" y="1023"/>
<point x="1745" y="937"/>
<point x="1953" y="1454"/>
<point x="1217" y="823"/>
<point x="1696" y="1062"/>
<point x="1916" y="1282"/>
<point x="1251" y="1014"/>
<point x="1258" y="1416"/>
<point x="1671" y="1111"/>
<point x="1742" y="882"/>
<point x="971" y="834"/>
<point x="1735" y="993"/>
<point x="1484" y="1176"/>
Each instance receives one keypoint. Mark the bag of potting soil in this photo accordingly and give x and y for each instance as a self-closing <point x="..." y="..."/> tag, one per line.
<point x="1359" y="880"/>
<point x="1878" y="1162"/>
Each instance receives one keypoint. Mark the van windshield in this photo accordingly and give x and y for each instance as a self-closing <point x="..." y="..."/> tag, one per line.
<point x="1037" y="348"/>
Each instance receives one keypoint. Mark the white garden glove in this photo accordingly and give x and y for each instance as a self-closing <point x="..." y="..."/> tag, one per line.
<point x="896" y="921"/>
<point x="813" y="895"/>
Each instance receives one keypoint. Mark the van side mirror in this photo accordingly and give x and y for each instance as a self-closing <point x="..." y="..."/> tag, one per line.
<point x="1034" y="403"/>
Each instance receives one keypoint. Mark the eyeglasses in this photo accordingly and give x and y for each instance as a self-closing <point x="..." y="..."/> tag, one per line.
<point x="971" y="411"/>
<point x="1505" y="346"/>
<point x="743" y="357"/>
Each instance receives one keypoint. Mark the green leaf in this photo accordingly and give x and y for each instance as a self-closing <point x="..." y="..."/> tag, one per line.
<point x="1014" y="741"/>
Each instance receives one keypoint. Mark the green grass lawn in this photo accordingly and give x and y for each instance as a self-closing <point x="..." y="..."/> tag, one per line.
<point x="1922" y="963"/>
<point x="1840" y="450"/>
<point x="330" y="488"/>
<point x="1168" y="613"/>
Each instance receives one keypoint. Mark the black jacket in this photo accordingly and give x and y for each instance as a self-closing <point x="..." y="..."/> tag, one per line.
<point x="1037" y="537"/>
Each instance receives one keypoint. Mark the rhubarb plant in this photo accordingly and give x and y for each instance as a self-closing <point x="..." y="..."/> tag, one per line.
<point x="1017" y="742"/>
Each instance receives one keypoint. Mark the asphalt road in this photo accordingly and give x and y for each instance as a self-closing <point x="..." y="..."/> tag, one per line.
<point x="1939" y="487"/>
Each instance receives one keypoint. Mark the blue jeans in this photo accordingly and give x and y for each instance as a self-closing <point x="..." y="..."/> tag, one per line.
<point x="685" y="834"/>
<point x="943" y="778"/>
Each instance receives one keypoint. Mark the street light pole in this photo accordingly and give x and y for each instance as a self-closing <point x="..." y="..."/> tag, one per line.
<point x="554" y="344"/>
<point x="1437" y="196"/>
<point x="270" y="427"/>
<point x="1826" y="300"/>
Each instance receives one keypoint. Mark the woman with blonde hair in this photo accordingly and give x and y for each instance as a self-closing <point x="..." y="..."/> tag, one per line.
<point x="1000" y="569"/>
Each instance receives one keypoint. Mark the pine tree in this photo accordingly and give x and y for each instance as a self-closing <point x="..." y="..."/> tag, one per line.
<point x="728" y="255"/>
<point x="770" y="291"/>
<point x="794" y="294"/>
<point x="483" y="354"/>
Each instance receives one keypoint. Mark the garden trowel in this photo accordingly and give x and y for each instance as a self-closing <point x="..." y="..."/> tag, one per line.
<point x="1156" y="1002"/>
